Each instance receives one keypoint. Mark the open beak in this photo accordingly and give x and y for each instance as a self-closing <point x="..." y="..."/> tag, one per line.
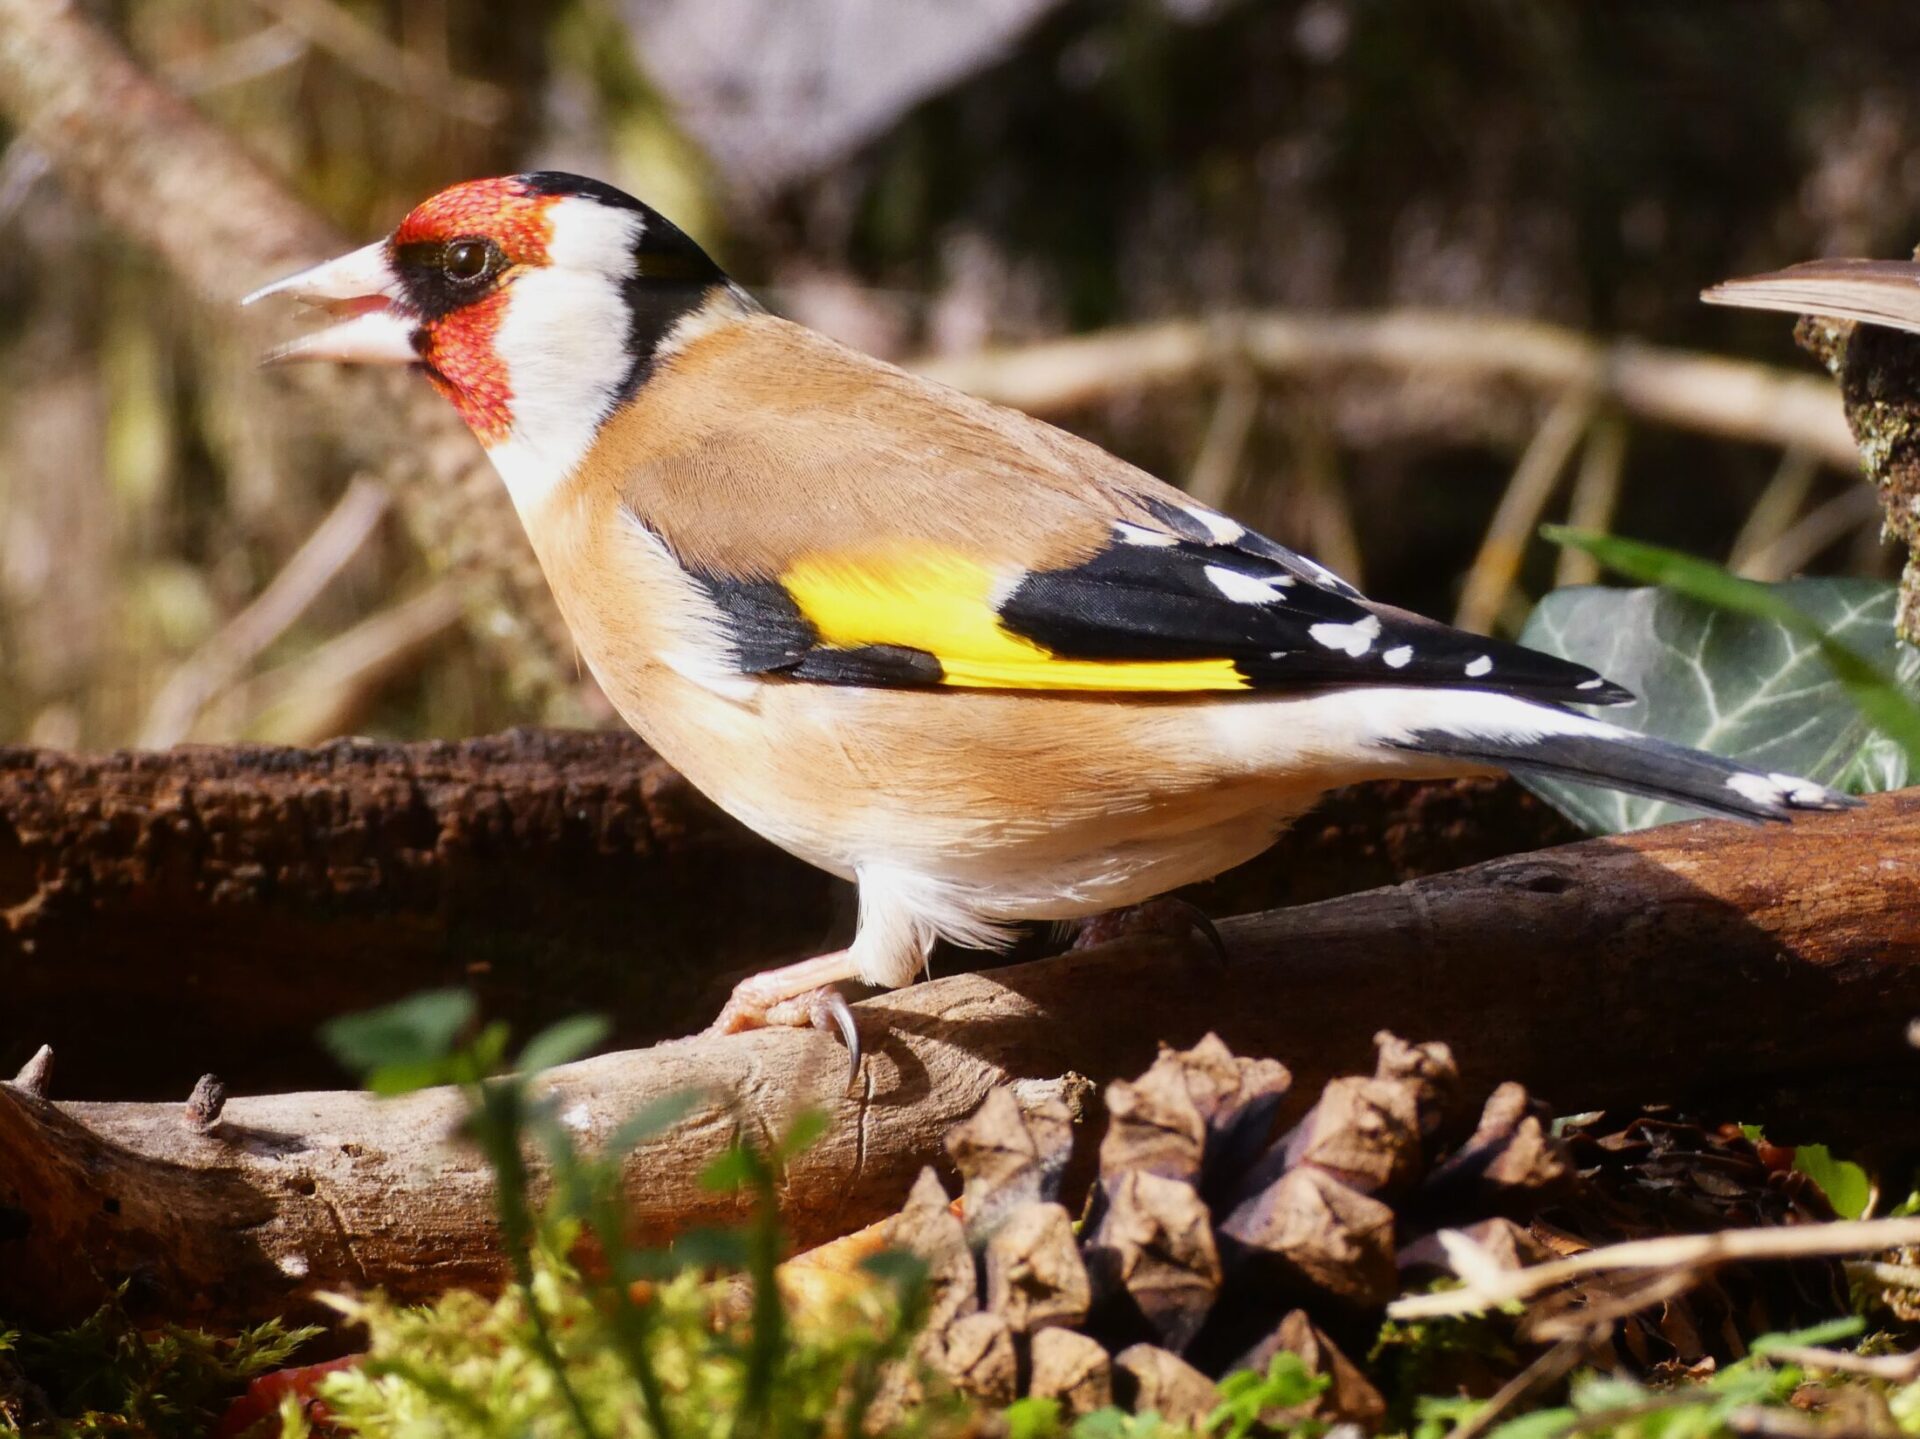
<point x="375" y="325"/>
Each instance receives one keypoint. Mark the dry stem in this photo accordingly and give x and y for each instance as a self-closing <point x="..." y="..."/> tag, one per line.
<point x="1489" y="1287"/>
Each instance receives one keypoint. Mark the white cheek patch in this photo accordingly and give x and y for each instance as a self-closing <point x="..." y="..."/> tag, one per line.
<point x="563" y="343"/>
<point x="1353" y="639"/>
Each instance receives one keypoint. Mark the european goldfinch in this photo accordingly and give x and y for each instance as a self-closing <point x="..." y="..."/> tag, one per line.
<point x="977" y="665"/>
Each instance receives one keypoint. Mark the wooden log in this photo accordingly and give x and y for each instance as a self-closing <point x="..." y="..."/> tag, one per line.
<point x="249" y="893"/>
<point x="1684" y="964"/>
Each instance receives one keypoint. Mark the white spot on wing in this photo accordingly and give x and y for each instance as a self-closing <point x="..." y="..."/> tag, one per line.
<point x="1353" y="639"/>
<point x="1241" y="587"/>
<point x="1223" y="530"/>
<point x="1326" y="576"/>
<point x="1483" y="665"/>
<point x="1760" y="788"/>
<point x="1141" y="535"/>
<point x="1592" y="684"/>
<point x="1397" y="657"/>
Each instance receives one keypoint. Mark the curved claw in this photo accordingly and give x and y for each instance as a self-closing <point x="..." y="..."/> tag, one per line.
<point x="823" y="1007"/>
<point x="1203" y="925"/>
<point x="834" y="1003"/>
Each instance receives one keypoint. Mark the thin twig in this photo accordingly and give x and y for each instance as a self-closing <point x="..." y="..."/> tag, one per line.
<point x="271" y="48"/>
<point x="371" y="55"/>
<point x="301" y="581"/>
<point x="1596" y="494"/>
<point x="1773" y="512"/>
<point x="1677" y="1251"/>
<point x="1550" y="1367"/>
<point x="251" y="57"/>
<point x="327" y="689"/>
<point x="1736" y="399"/>
<point x="1813" y="532"/>
<point x="1517" y="516"/>
<point x="1216" y="468"/>
<point x="1329" y="518"/>
<point x="1894" y="1368"/>
<point x="1892" y="1276"/>
<point x="1768" y="1423"/>
<point x="1600" y="1310"/>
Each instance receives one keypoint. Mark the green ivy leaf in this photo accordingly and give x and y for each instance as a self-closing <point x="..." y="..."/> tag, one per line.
<point x="1757" y="688"/>
<point x="1846" y="1185"/>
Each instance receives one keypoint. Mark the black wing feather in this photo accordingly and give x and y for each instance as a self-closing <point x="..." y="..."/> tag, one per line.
<point x="1188" y="599"/>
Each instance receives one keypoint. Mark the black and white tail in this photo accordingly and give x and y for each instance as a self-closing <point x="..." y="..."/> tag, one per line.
<point x="1530" y="737"/>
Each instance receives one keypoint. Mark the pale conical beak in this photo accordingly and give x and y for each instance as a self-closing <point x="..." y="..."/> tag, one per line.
<point x="376" y="326"/>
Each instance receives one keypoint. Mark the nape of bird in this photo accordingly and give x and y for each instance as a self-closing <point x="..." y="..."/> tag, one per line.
<point x="973" y="663"/>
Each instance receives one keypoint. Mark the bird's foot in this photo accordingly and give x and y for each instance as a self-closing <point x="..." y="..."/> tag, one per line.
<point x="1163" y="916"/>
<point x="799" y="996"/>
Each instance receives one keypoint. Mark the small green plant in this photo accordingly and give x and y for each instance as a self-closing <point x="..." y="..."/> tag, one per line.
<point x="1726" y="1403"/>
<point x="597" y="1337"/>
<point x="1040" y="1418"/>
<point x="1248" y="1399"/>
<point x="108" y="1375"/>
<point x="1287" y="1384"/>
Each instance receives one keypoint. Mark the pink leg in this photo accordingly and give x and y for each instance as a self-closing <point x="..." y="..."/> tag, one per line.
<point x="798" y="995"/>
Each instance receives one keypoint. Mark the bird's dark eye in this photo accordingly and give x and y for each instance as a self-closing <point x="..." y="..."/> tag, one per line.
<point x="468" y="260"/>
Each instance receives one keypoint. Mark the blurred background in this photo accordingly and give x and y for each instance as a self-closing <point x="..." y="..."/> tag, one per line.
<point x="1392" y="184"/>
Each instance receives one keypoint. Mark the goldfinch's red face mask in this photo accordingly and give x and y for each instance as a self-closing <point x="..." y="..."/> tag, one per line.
<point x="532" y="302"/>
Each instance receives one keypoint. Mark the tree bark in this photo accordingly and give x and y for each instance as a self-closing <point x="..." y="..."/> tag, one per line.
<point x="247" y="894"/>
<point x="1879" y="374"/>
<point x="241" y="896"/>
<point x="1687" y="964"/>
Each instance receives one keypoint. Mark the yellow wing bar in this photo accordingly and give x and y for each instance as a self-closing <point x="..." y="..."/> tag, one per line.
<point x="944" y="604"/>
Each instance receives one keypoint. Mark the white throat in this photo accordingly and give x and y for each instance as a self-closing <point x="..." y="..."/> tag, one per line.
<point x="563" y="342"/>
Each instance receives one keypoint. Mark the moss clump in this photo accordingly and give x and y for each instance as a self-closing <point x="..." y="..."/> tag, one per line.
<point x="108" y="1375"/>
<point x="466" y="1367"/>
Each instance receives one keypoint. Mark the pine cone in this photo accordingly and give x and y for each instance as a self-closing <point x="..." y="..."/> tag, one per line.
<point x="1207" y="1244"/>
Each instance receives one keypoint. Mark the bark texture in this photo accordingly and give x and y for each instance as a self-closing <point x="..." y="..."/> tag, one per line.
<point x="166" y="914"/>
<point x="240" y="896"/>
<point x="1685" y="964"/>
<point x="1879" y="374"/>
